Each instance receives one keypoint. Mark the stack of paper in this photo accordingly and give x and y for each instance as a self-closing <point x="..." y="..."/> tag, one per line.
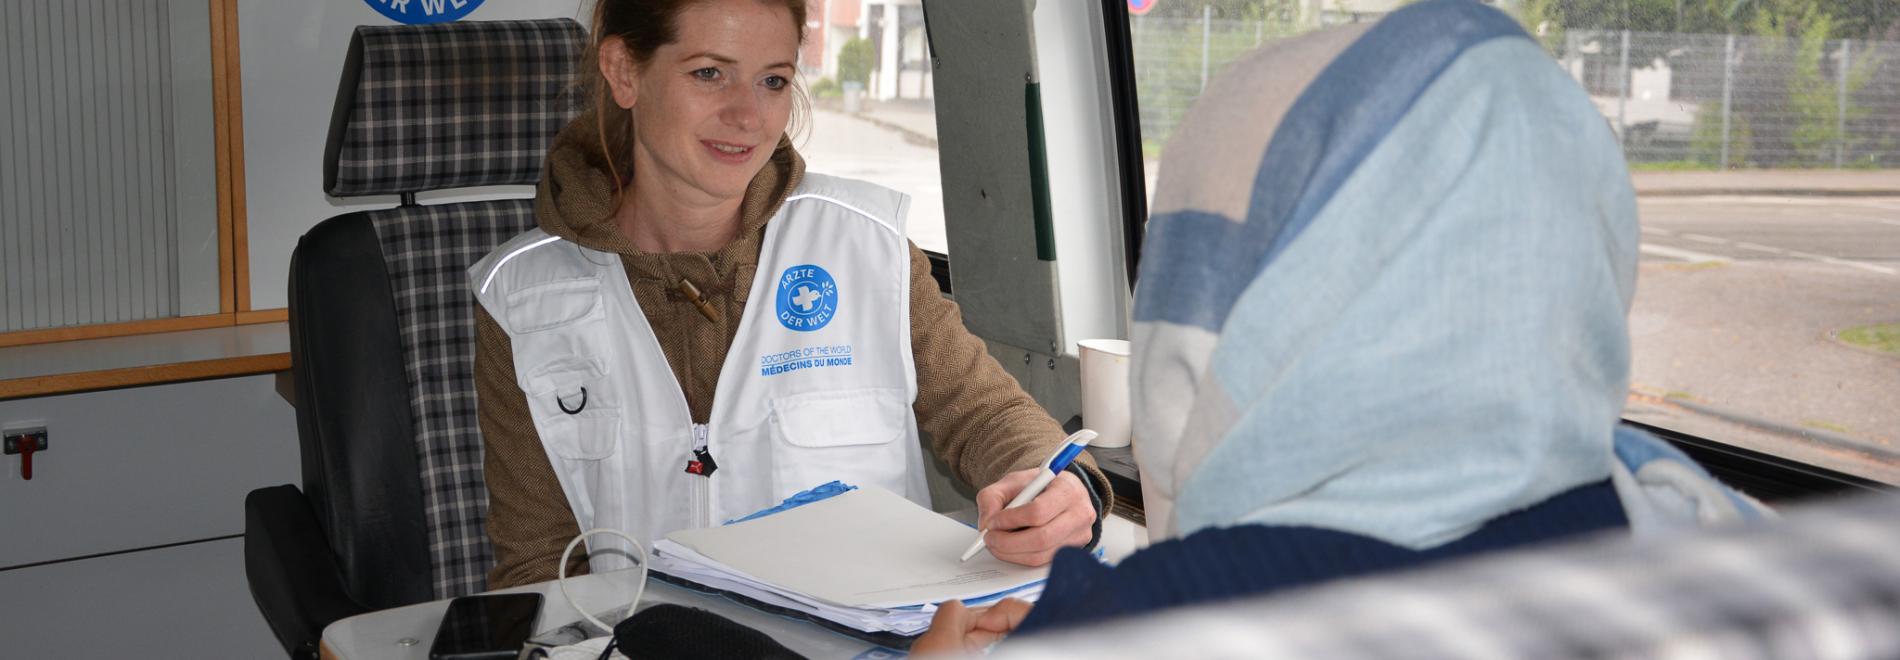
<point x="867" y="559"/>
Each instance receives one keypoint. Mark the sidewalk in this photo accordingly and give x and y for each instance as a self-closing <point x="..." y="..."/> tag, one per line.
<point x="1768" y="182"/>
<point x="916" y="118"/>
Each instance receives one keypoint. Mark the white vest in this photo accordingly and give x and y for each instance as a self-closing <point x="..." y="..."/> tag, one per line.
<point x="817" y="385"/>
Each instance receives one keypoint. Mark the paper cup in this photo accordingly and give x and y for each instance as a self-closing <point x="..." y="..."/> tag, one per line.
<point x="1105" y="407"/>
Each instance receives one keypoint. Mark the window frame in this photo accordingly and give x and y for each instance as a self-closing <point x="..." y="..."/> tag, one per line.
<point x="234" y="286"/>
<point x="1769" y="477"/>
<point x="1119" y="47"/>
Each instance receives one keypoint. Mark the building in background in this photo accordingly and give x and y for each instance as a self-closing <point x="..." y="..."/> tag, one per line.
<point x="828" y="24"/>
<point x="895" y="29"/>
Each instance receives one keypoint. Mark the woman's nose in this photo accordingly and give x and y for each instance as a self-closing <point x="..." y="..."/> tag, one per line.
<point x="743" y="110"/>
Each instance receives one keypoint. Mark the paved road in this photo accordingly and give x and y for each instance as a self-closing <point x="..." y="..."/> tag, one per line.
<point x="847" y="146"/>
<point x="1738" y="302"/>
<point x="1858" y="233"/>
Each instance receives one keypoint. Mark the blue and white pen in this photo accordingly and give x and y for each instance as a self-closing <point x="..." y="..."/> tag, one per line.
<point x="1052" y="468"/>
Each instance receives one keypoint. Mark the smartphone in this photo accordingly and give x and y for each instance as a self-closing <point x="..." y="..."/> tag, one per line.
<point x="493" y="626"/>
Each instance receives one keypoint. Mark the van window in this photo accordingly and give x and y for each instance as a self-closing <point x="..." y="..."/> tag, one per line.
<point x="867" y="68"/>
<point x="1764" y="143"/>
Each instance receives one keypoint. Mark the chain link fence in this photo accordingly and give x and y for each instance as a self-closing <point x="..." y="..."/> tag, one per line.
<point x="1688" y="100"/>
<point x="1175" y="58"/>
<point x="1738" y="101"/>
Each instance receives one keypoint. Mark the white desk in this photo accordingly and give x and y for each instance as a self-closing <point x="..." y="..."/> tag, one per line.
<point x="405" y="632"/>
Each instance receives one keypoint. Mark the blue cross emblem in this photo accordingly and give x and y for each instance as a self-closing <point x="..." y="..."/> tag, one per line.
<point x="807" y="298"/>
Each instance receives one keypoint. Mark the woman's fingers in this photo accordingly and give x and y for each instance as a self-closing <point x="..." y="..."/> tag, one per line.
<point x="1065" y="493"/>
<point x="1003" y="617"/>
<point x="995" y="496"/>
<point x="949" y="630"/>
<point x="1036" y="546"/>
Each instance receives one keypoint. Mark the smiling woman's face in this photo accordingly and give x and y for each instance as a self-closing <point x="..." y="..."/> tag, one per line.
<point x="709" y="108"/>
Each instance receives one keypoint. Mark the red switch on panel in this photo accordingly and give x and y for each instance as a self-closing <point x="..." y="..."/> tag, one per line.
<point x="25" y="442"/>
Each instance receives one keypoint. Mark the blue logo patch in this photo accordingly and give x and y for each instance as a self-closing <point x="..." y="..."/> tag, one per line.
<point x="807" y="298"/>
<point x="421" y="12"/>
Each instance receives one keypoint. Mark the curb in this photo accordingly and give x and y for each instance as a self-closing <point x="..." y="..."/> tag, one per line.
<point x="911" y="135"/>
<point x="1825" y="438"/>
<point x="1776" y="192"/>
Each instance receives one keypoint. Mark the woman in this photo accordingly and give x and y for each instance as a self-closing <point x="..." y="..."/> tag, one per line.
<point x="700" y="328"/>
<point x="1380" y="322"/>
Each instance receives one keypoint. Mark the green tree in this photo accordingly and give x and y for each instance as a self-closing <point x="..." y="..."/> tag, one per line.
<point x="1705" y="144"/>
<point x="1853" y="19"/>
<point x="1867" y="19"/>
<point x="1798" y="31"/>
<point x="1813" y="97"/>
<point x="1643" y="15"/>
<point x="1544" y="21"/>
<point x="855" y="61"/>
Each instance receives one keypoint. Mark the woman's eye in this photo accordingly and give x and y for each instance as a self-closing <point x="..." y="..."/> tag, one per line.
<point x="776" y="82"/>
<point x="708" y="73"/>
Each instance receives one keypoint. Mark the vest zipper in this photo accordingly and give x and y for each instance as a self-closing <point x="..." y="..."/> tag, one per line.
<point x="702" y="487"/>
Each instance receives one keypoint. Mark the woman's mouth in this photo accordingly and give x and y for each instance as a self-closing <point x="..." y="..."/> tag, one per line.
<point x="727" y="151"/>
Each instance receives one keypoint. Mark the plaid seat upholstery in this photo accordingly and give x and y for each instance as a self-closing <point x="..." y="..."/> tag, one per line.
<point x="429" y="250"/>
<point x="451" y="105"/>
<point x="1824" y="582"/>
<point x="437" y="107"/>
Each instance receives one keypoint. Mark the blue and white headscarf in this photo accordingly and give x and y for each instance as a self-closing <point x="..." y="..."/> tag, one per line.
<point x="1385" y="286"/>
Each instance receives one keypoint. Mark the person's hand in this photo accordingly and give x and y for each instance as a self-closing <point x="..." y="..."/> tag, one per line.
<point x="1030" y="534"/>
<point x="960" y="630"/>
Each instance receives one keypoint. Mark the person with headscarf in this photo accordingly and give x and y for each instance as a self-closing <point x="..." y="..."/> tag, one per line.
<point x="1380" y="321"/>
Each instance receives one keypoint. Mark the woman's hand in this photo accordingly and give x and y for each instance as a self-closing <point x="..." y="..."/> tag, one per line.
<point x="960" y="630"/>
<point x="1030" y="534"/>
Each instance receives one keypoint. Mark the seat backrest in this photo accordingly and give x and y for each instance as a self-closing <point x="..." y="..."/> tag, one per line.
<point x="380" y="312"/>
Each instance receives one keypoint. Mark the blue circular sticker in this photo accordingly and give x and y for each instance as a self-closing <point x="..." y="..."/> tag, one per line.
<point x="807" y="298"/>
<point x="421" y="12"/>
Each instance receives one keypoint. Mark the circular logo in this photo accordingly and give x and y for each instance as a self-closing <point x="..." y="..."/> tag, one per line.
<point x="420" y="12"/>
<point x="807" y="298"/>
<point x="1139" y="7"/>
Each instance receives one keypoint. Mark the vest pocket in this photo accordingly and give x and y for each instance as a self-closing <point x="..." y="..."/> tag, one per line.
<point x="589" y="435"/>
<point x="552" y="305"/>
<point x="569" y="401"/>
<point x="854" y="436"/>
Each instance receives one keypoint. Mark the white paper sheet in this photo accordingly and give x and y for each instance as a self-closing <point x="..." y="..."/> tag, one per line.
<point x="868" y="549"/>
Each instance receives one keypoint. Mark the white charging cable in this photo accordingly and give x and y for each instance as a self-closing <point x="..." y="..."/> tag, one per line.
<point x="638" y="590"/>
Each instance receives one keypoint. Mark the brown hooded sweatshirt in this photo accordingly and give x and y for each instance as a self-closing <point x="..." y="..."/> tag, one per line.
<point x="978" y="418"/>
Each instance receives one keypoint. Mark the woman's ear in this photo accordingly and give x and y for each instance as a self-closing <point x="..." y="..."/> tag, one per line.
<point x="623" y="77"/>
